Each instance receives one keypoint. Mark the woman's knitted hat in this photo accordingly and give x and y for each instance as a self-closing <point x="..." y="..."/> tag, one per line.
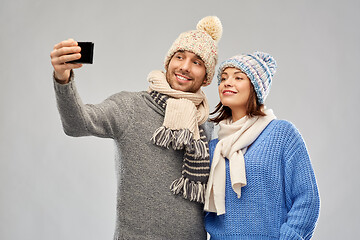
<point x="203" y="42"/>
<point x="260" y="68"/>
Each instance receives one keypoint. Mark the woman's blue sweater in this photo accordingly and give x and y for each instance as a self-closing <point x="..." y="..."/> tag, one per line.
<point x="280" y="200"/>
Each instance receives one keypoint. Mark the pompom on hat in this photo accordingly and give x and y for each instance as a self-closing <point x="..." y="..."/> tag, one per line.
<point x="260" y="68"/>
<point x="203" y="42"/>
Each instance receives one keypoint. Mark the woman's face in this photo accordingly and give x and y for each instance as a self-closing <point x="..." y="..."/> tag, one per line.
<point x="234" y="90"/>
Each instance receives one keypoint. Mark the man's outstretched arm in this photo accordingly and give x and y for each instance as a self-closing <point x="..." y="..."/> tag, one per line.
<point x="79" y="119"/>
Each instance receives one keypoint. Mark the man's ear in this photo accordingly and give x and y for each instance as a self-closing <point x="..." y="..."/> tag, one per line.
<point x="205" y="80"/>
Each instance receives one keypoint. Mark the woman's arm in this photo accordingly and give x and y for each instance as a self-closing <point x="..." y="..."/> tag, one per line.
<point x="301" y="192"/>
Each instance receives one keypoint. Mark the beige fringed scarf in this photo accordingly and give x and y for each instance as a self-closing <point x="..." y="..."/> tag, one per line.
<point x="234" y="139"/>
<point x="184" y="113"/>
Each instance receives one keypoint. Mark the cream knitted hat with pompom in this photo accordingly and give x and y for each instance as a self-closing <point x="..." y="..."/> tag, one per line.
<point x="203" y="42"/>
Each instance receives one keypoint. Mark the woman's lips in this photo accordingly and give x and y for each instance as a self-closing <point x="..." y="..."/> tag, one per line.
<point x="228" y="92"/>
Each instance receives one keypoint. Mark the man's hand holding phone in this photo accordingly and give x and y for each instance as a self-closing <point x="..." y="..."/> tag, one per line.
<point x="68" y="55"/>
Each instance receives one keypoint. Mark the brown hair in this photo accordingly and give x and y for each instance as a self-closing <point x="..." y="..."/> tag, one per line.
<point x="253" y="108"/>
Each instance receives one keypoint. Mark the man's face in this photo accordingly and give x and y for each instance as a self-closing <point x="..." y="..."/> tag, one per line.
<point x="186" y="72"/>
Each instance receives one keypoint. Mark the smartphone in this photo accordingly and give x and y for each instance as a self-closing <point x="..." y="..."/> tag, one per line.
<point x="87" y="53"/>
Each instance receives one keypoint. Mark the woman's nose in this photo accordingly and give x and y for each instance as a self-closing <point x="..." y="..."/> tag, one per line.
<point x="228" y="82"/>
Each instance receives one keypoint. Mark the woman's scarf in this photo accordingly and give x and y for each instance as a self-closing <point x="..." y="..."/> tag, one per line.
<point x="184" y="113"/>
<point x="234" y="139"/>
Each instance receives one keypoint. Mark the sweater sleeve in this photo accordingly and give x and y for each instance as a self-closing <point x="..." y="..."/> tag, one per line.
<point x="78" y="119"/>
<point x="301" y="192"/>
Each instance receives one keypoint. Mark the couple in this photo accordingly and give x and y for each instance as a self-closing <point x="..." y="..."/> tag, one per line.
<point x="255" y="181"/>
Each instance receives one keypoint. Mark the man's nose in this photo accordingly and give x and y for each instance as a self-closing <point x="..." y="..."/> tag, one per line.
<point x="186" y="65"/>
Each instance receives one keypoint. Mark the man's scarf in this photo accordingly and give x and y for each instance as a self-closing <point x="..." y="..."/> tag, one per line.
<point x="184" y="113"/>
<point x="234" y="139"/>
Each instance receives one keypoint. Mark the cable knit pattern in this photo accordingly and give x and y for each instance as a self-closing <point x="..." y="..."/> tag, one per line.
<point x="280" y="200"/>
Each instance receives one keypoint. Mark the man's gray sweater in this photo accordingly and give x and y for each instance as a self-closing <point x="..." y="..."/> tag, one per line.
<point x="146" y="208"/>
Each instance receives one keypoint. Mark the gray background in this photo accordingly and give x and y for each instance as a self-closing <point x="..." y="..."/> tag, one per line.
<point x="56" y="187"/>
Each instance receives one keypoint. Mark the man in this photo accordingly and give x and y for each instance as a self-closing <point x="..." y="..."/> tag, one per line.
<point x="161" y="135"/>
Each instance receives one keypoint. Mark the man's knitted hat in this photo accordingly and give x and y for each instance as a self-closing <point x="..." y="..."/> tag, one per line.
<point x="260" y="68"/>
<point x="203" y="42"/>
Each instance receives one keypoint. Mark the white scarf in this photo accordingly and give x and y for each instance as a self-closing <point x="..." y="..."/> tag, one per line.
<point x="234" y="139"/>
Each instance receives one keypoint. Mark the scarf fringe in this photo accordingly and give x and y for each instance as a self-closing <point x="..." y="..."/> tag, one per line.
<point x="194" y="191"/>
<point x="162" y="137"/>
<point x="199" y="148"/>
<point x="180" y="139"/>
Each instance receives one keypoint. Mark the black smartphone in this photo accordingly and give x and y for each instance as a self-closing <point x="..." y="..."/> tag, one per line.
<point x="87" y="53"/>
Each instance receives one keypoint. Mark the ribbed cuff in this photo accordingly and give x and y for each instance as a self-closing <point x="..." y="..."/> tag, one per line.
<point x="71" y="77"/>
<point x="63" y="88"/>
<point x="287" y="233"/>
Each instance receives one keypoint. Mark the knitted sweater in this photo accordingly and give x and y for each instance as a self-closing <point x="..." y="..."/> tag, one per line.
<point x="146" y="208"/>
<point x="280" y="200"/>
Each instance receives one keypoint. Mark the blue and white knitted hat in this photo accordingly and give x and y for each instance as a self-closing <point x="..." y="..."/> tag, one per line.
<point x="260" y="68"/>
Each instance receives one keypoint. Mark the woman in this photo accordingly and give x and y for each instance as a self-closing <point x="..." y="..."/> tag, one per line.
<point x="261" y="184"/>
